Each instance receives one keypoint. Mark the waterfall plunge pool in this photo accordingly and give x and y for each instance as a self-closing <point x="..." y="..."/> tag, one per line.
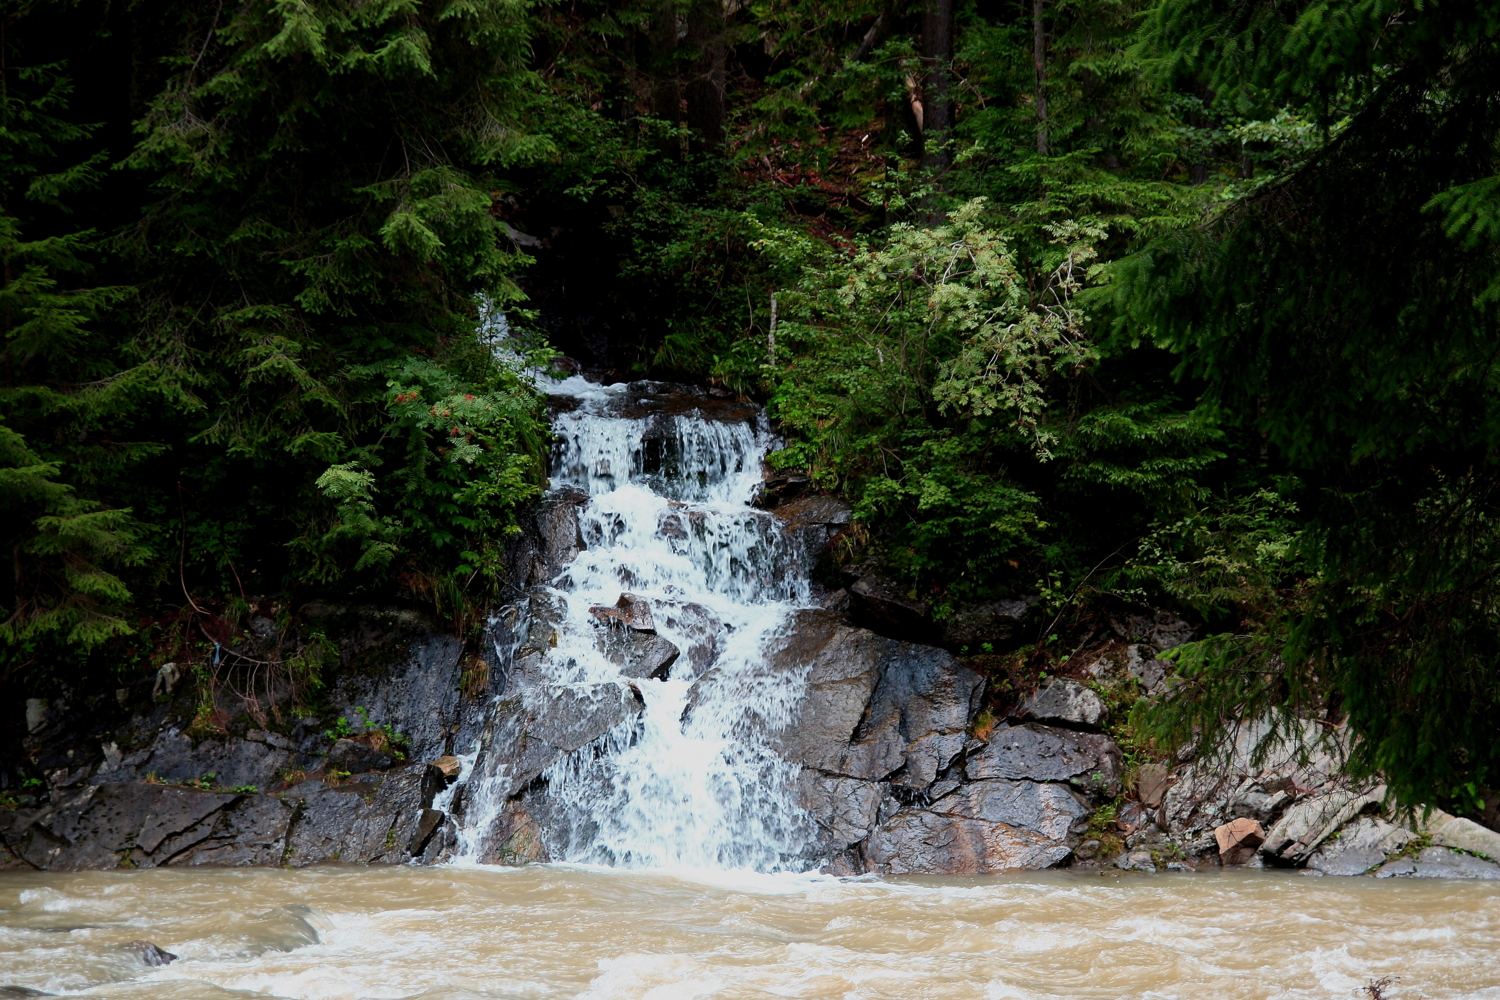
<point x="555" y="931"/>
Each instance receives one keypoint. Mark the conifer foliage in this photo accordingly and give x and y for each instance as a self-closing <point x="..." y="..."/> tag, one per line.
<point x="1188" y="303"/>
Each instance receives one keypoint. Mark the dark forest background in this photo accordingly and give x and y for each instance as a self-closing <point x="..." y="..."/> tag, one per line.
<point x="1187" y="304"/>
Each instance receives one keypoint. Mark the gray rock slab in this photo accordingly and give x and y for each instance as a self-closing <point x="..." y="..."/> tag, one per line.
<point x="252" y="832"/>
<point x="418" y="695"/>
<point x="1440" y="862"/>
<point x="874" y="708"/>
<point x="1069" y="702"/>
<point x="1310" y="821"/>
<point x="1348" y="861"/>
<point x="845" y="810"/>
<point x="818" y="508"/>
<point x="1045" y="753"/>
<point x="175" y="757"/>
<point x="1464" y="835"/>
<point x="1050" y="809"/>
<point x="920" y="842"/>
<point x="549" y="538"/>
<point x="637" y="654"/>
<point x="104" y="826"/>
<point x="360" y="821"/>
<point x="354" y="757"/>
<point x="534" y="729"/>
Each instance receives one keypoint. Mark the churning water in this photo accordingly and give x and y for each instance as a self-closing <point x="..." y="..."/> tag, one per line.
<point x="548" y="932"/>
<point x="668" y="519"/>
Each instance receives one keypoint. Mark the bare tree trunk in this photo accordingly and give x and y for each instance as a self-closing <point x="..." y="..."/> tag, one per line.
<point x="1039" y="58"/>
<point x="666" y="91"/>
<point x="705" y="87"/>
<point x="937" y="98"/>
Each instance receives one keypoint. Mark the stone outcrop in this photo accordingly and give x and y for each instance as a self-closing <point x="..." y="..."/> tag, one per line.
<point x="1287" y="786"/>
<point x="878" y="741"/>
<point x="1067" y="702"/>
<point x="875" y="708"/>
<point x="134" y="824"/>
<point x="893" y="777"/>
<point x="981" y="826"/>
<point x="532" y="729"/>
<point x="1440" y="862"/>
<point x="163" y="788"/>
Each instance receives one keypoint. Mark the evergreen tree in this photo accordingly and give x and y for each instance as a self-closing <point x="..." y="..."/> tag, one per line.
<point x="1346" y="312"/>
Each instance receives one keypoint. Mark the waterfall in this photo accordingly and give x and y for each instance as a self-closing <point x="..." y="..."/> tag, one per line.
<point x="689" y="781"/>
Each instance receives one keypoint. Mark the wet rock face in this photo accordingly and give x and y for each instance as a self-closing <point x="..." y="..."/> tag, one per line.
<point x="874" y="708"/>
<point x="892" y="778"/>
<point x="637" y="654"/>
<point x="142" y="825"/>
<point x="549" y="538"/>
<point x="1087" y="761"/>
<point x="533" y="729"/>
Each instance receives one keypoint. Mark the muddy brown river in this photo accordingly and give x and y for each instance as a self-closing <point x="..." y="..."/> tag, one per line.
<point x="465" y="933"/>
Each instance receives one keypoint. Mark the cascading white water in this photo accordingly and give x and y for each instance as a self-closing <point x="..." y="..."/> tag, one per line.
<point x="668" y="519"/>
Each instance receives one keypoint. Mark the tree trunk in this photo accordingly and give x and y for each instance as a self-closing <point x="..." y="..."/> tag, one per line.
<point x="705" y="87"/>
<point x="1039" y="59"/>
<point x="937" y="98"/>
<point x="666" y="91"/>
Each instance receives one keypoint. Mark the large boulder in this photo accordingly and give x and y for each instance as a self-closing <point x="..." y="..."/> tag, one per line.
<point x="532" y="730"/>
<point x="874" y="708"/>
<point x="980" y="827"/>
<point x="1088" y="761"/>
<point x="1440" y="862"/>
<point x="1463" y="834"/>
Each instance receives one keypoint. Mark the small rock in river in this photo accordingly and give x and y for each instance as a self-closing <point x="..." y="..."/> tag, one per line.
<point x="1139" y="861"/>
<point x="150" y="953"/>
<point x="631" y="611"/>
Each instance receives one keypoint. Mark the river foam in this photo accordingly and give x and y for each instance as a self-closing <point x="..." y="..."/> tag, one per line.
<point x="556" y="931"/>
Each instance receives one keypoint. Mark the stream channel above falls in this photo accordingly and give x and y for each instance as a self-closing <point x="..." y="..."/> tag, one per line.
<point x="703" y="781"/>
